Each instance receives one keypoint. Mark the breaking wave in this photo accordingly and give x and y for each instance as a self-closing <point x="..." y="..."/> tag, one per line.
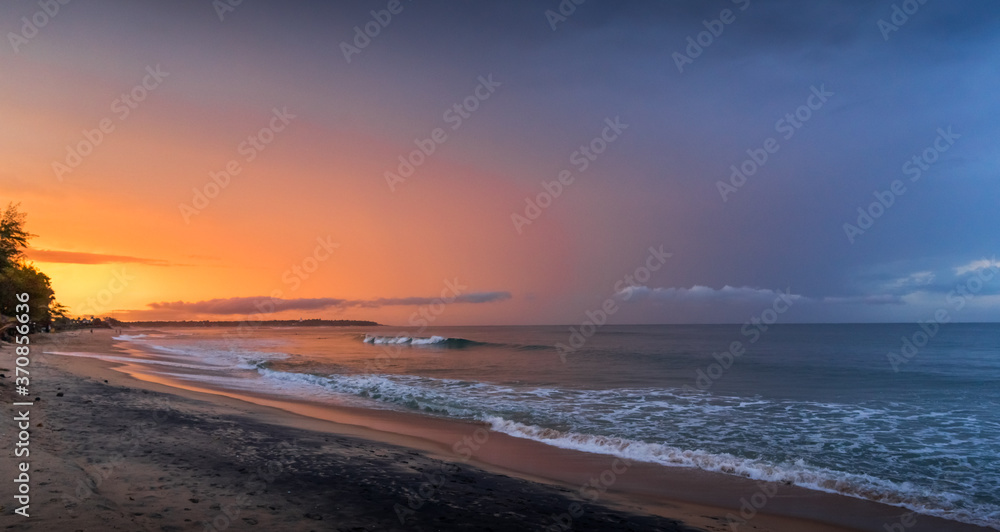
<point x="442" y="341"/>
<point x="437" y="341"/>
<point x="479" y="401"/>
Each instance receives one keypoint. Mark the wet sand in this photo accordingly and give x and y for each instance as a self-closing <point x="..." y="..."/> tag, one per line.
<point x="114" y="452"/>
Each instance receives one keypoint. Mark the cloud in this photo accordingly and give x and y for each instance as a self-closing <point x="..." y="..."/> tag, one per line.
<point x="937" y="278"/>
<point x="482" y="297"/>
<point x="744" y="294"/>
<point x="75" y="257"/>
<point x="248" y="305"/>
<point x="880" y="299"/>
<point x="977" y="265"/>
<point x="703" y="293"/>
<point x="476" y="297"/>
<point x="253" y="305"/>
<point x="923" y="278"/>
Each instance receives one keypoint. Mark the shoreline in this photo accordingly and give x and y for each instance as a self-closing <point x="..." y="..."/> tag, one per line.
<point x="659" y="496"/>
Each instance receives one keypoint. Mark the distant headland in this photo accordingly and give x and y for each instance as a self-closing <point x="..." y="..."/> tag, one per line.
<point x="260" y="323"/>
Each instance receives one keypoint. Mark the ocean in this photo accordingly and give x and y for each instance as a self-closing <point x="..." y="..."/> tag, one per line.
<point x="892" y="413"/>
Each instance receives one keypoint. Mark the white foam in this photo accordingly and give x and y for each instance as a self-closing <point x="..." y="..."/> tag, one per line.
<point x="399" y="390"/>
<point x="132" y="337"/>
<point x="800" y="473"/>
<point x="797" y="442"/>
<point x="129" y="360"/>
<point x="370" y="339"/>
<point x="429" y="341"/>
<point x="477" y="401"/>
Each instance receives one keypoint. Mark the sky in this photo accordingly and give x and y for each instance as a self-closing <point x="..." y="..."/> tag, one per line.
<point x="508" y="163"/>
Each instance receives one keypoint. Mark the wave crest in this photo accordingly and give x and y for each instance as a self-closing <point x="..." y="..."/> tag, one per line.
<point x="438" y="341"/>
<point x="799" y="473"/>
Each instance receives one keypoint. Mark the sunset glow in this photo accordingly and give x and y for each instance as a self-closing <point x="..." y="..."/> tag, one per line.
<point x="209" y="161"/>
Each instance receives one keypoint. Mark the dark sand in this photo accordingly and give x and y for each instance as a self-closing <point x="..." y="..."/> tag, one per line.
<point x="115" y="453"/>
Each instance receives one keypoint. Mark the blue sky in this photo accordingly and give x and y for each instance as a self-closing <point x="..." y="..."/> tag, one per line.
<point x="838" y="104"/>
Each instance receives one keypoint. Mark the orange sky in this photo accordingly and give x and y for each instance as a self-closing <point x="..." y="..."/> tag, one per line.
<point x="124" y="201"/>
<point x="321" y="177"/>
<point x="206" y="85"/>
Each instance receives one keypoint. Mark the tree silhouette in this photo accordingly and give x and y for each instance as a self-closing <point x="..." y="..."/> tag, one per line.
<point x="18" y="276"/>
<point x="13" y="236"/>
